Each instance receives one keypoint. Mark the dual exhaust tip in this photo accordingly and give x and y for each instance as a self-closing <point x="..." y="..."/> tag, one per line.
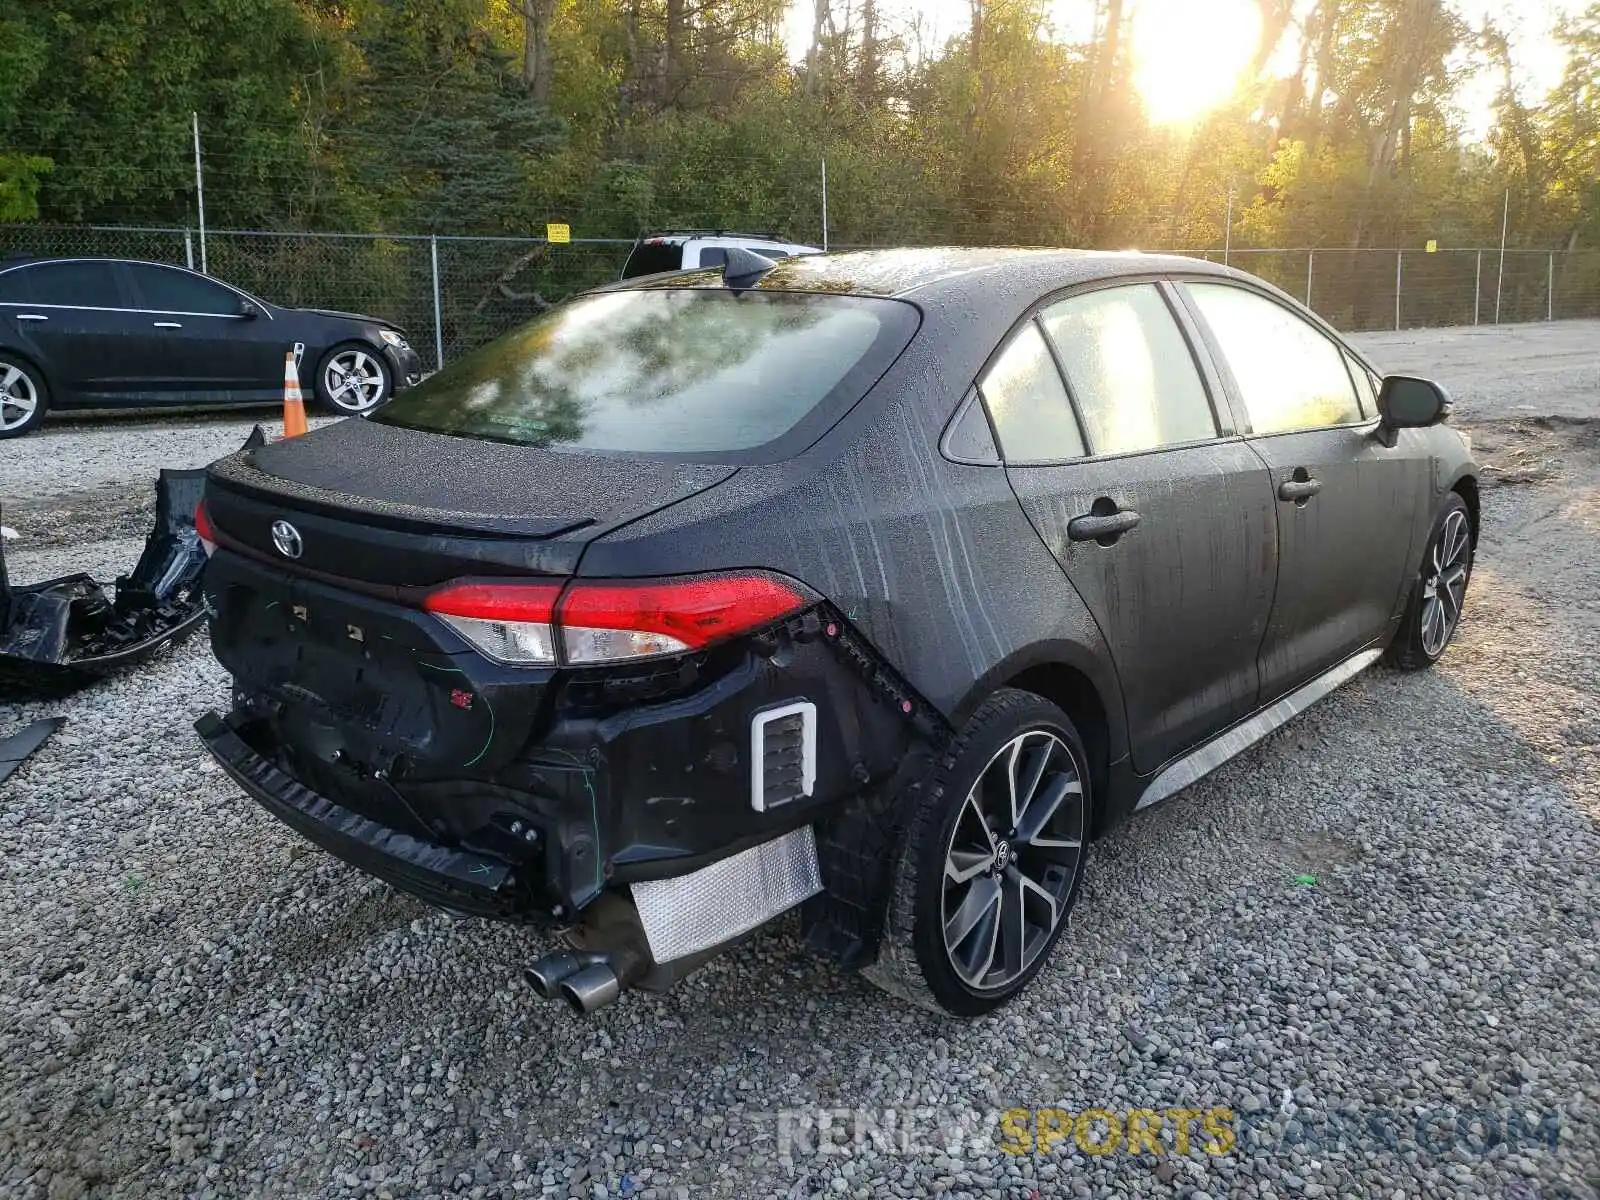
<point x="585" y="979"/>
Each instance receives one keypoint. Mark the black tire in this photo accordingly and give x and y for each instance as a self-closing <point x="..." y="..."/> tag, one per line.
<point x="23" y="382"/>
<point x="915" y="962"/>
<point x="344" y="402"/>
<point x="1421" y="640"/>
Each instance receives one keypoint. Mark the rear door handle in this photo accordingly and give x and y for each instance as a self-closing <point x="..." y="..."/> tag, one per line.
<point x="32" y="317"/>
<point x="1299" y="490"/>
<point x="1092" y="527"/>
<point x="168" y="325"/>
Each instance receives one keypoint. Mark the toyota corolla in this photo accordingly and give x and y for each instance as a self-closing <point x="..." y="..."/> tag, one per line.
<point x="875" y="584"/>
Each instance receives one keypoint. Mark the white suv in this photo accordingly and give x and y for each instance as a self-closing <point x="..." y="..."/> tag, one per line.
<point x="687" y="249"/>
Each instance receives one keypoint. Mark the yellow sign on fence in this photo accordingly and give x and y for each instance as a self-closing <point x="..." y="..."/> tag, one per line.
<point x="1433" y="246"/>
<point x="558" y="234"/>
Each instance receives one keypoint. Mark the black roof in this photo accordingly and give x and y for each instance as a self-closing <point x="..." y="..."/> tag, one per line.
<point x="22" y="260"/>
<point x="947" y="272"/>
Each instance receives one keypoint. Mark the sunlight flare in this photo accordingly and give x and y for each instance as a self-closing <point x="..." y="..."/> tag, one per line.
<point x="1190" y="55"/>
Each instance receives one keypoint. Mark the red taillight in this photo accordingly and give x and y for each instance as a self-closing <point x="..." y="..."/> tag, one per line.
<point x="694" y="612"/>
<point x="509" y="622"/>
<point x="496" y="601"/>
<point x="207" y="531"/>
<point x="613" y="620"/>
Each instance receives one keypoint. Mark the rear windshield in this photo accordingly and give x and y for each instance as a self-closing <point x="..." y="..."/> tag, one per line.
<point x="676" y="371"/>
<point x="651" y="258"/>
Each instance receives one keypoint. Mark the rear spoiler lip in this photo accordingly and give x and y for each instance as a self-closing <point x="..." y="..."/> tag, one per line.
<point x="226" y="476"/>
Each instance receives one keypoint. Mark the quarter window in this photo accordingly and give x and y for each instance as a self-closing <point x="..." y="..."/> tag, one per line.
<point x="78" y="284"/>
<point x="1130" y="370"/>
<point x="968" y="439"/>
<point x="1289" y="373"/>
<point x="162" y="289"/>
<point x="1028" y="402"/>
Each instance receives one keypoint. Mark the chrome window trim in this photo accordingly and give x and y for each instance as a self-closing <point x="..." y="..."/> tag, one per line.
<point x="266" y="309"/>
<point x="166" y="312"/>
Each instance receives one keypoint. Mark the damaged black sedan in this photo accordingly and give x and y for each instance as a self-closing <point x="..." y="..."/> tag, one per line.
<point x="875" y="584"/>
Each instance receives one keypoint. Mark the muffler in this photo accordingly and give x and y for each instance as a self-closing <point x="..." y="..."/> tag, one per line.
<point x="608" y="954"/>
<point x="546" y="975"/>
<point x="591" y="988"/>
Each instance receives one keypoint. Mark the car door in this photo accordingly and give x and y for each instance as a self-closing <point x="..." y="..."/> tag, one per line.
<point x="1160" y="518"/>
<point x="201" y="347"/>
<point x="74" y="312"/>
<point x="1344" y="502"/>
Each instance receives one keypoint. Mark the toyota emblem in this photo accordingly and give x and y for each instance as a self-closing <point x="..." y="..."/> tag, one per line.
<point x="286" y="539"/>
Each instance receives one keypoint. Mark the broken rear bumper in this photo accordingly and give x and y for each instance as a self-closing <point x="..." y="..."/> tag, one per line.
<point x="455" y="879"/>
<point x="583" y="802"/>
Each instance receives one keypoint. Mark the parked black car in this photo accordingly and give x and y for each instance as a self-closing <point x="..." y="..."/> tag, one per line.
<point x="104" y="333"/>
<point x="879" y="583"/>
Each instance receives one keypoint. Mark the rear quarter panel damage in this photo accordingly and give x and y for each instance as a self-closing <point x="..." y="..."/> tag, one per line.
<point x="934" y="564"/>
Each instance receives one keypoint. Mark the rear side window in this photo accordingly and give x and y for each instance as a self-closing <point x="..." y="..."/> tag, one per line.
<point x="14" y="287"/>
<point x="651" y="258"/>
<point x="667" y="371"/>
<point x="1028" y="402"/>
<point x="1289" y="373"/>
<point x="166" y="290"/>
<point x="1130" y="370"/>
<point x="85" y="284"/>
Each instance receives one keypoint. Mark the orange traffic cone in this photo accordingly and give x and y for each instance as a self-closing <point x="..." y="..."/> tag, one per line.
<point x="294" y="408"/>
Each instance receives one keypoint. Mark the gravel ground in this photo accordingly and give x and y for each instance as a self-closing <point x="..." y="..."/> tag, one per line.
<point x="99" y="473"/>
<point x="1543" y="370"/>
<point x="192" y="1001"/>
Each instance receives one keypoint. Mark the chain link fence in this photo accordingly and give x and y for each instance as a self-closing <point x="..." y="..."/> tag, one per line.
<point x="451" y="294"/>
<point x="1360" y="290"/>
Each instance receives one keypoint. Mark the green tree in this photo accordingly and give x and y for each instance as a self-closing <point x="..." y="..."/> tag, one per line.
<point x="107" y="88"/>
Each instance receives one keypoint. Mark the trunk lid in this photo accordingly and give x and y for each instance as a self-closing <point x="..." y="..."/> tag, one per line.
<point x="335" y="637"/>
<point x="397" y="509"/>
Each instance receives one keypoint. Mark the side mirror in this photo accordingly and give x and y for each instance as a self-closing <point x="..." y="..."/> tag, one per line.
<point x="248" y="311"/>
<point x="1407" y="402"/>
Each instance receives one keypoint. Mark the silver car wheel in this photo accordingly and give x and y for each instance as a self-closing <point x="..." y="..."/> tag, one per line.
<point x="19" y="397"/>
<point x="1014" y="851"/>
<point x="354" y="380"/>
<point x="1444" y="586"/>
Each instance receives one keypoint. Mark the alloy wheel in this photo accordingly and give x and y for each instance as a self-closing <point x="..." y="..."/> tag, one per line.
<point x="19" y="397"/>
<point x="354" y="380"/>
<point x="1444" y="584"/>
<point x="1013" y="855"/>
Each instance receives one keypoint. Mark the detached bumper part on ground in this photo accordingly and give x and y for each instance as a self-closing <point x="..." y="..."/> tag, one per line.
<point x="63" y="634"/>
<point x="15" y="750"/>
